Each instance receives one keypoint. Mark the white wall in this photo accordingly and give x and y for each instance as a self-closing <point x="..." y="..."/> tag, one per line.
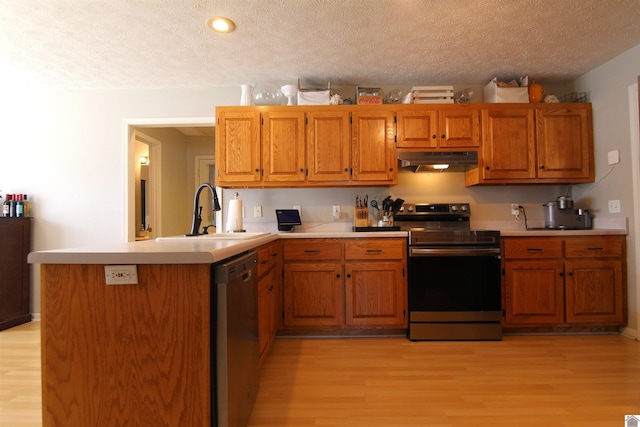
<point x="608" y="85"/>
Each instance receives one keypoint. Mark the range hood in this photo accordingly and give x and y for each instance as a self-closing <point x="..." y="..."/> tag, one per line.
<point x="457" y="161"/>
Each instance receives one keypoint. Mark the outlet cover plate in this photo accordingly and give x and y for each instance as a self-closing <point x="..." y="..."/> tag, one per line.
<point x="121" y="274"/>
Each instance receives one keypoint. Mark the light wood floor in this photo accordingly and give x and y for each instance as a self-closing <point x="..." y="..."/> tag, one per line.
<point x="541" y="381"/>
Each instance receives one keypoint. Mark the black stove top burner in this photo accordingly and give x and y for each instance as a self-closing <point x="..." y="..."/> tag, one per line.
<point x="442" y="224"/>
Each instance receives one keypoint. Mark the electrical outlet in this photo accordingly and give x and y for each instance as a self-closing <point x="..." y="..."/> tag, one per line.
<point x="515" y="209"/>
<point x="614" y="206"/>
<point x="121" y="274"/>
<point x="257" y="211"/>
<point x="613" y="157"/>
<point x="336" y="212"/>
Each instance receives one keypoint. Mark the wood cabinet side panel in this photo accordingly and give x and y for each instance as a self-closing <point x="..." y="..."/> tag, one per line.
<point x="128" y="354"/>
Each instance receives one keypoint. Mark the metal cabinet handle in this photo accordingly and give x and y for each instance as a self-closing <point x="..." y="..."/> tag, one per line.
<point x="312" y="251"/>
<point x="595" y="249"/>
<point x="534" y="249"/>
<point x="374" y="251"/>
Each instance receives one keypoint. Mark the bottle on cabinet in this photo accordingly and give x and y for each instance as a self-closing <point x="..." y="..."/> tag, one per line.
<point x="15" y="206"/>
<point x="19" y="209"/>
<point x="6" y="206"/>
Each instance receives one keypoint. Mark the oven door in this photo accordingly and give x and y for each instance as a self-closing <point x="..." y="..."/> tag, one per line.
<point x="454" y="279"/>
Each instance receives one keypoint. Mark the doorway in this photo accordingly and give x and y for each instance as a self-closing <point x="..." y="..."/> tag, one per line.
<point x="173" y="145"/>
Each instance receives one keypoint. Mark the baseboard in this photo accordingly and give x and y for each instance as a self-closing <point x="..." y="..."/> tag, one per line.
<point x="629" y="332"/>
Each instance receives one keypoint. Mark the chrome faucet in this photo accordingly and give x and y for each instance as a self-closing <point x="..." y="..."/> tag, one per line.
<point x="197" y="209"/>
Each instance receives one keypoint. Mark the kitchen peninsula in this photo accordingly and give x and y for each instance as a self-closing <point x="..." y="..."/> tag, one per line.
<point x="134" y="354"/>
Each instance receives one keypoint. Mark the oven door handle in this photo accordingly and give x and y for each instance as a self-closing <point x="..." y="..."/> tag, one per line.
<point x="425" y="252"/>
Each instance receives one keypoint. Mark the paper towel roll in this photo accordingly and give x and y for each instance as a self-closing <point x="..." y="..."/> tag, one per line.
<point x="234" y="216"/>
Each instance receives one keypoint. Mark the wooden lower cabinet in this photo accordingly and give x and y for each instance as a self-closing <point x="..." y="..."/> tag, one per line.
<point x="564" y="282"/>
<point x="345" y="283"/>
<point x="269" y="295"/>
<point x="313" y="294"/>
<point x="375" y="293"/>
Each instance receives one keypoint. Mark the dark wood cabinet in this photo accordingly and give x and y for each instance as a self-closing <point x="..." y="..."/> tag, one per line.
<point x="15" y="244"/>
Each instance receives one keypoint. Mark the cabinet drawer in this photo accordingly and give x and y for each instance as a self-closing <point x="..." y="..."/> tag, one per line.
<point x="313" y="250"/>
<point x="543" y="247"/>
<point x="594" y="246"/>
<point x="374" y="249"/>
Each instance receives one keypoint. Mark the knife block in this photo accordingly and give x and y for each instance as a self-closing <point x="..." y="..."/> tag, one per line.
<point x="361" y="217"/>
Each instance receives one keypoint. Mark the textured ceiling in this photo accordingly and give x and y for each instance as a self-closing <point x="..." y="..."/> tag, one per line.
<point x="165" y="43"/>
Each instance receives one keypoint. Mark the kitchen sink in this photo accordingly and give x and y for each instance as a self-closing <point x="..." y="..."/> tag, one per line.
<point x="216" y="236"/>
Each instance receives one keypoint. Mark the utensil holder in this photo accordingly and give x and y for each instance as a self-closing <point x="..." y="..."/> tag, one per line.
<point x="361" y="217"/>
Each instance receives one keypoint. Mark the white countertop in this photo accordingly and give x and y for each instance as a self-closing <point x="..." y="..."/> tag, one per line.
<point x="562" y="233"/>
<point x="208" y="251"/>
<point x="178" y="250"/>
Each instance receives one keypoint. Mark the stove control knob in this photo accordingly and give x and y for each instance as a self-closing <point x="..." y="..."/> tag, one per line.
<point x="409" y="208"/>
<point x="464" y="208"/>
<point x="401" y="209"/>
<point x="454" y="208"/>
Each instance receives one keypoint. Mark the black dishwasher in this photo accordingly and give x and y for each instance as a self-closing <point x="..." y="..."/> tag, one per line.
<point x="236" y="355"/>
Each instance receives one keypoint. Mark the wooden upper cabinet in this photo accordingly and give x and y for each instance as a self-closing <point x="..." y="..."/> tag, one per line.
<point x="434" y="128"/>
<point x="328" y="146"/>
<point x="542" y="143"/>
<point x="283" y="146"/>
<point x="565" y="144"/>
<point x="238" y="150"/>
<point x="508" y="143"/>
<point x="374" y="155"/>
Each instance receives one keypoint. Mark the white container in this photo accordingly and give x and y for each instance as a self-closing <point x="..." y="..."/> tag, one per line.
<point x="495" y="94"/>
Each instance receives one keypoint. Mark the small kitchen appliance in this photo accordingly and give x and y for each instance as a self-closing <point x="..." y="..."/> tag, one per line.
<point x="561" y="215"/>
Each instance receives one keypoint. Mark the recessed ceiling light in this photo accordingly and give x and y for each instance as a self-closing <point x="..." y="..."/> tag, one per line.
<point x="220" y="24"/>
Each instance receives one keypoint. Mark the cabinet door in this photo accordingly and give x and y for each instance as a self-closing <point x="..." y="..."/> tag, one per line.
<point x="373" y="147"/>
<point x="313" y="294"/>
<point x="375" y="294"/>
<point x="533" y="292"/>
<point x="15" y="235"/>
<point x="459" y="128"/>
<point x="565" y="143"/>
<point x="418" y="129"/>
<point x="283" y="146"/>
<point x="265" y="315"/>
<point x="238" y="147"/>
<point x="328" y="146"/>
<point x="595" y="292"/>
<point x="508" y="144"/>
